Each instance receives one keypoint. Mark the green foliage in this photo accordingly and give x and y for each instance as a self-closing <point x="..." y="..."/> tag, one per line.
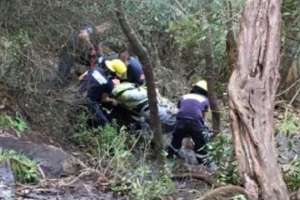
<point x="24" y="169"/>
<point x="113" y="151"/>
<point x="16" y="123"/>
<point x="291" y="174"/>
<point x="102" y="141"/>
<point x="143" y="183"/>
<point x="188" y="32"/>
<point x="222" y="153"/>
<point x="290" y="124"/>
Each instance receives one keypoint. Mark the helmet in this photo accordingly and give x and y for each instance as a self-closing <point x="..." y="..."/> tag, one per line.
<point x="117" y="66"/>
<point x="201" y="84"/>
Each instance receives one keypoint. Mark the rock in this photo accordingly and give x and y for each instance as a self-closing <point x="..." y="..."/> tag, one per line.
<point x="53" y="161"/>
<point x="7" y="181"/>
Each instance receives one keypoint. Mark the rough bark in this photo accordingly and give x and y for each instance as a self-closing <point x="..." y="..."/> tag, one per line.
<point x="252" y="90"/>
<point x="144" y="56"/>
<point x="211" y="82"/>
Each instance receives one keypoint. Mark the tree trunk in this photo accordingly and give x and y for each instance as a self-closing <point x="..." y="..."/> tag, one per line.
<point x="143" y="54"/>
<point x="252" y="88"/>
<point x="209" y="61"/>
<point x="230" y="41"/>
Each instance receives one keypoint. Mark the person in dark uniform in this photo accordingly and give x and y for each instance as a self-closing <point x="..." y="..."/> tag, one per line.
<point x="98" y="88"/>
<point x="135" y="72"/>
<point x="190" y="121"/>
<point x="81" y="47"/>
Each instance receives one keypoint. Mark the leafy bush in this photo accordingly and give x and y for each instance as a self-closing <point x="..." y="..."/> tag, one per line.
<point x="222" y="153"/>
<point x="112" y="149"/>
<point x="143" y="183"/>
<point x="25" y="170"/>
<point x="291" y="174"/>
<point x="290" y="124"/>
<point x="18" y="124"/>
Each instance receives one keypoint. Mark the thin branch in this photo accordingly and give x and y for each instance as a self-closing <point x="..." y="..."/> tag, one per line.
<point x="294" y="97"/>
<point x="289" y="88"/>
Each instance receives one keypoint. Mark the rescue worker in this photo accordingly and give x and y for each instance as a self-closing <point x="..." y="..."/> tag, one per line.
<point x="190" y="122"/>
<point x="135" y="73"/>
<point x="116" y="68"/>
<point x="135" y="100"/>
<point x="80" y="48"/>
<point x="98" y="88"/>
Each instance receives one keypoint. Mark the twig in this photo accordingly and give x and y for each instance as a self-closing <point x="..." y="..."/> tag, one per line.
<point x="86" y="172"/>
<point x="289" y="88"/>
<point x="225" y="192"/>
<point x="294" y="97"/>
<point x="41" y="171"/>
<point x="202" y="177"/>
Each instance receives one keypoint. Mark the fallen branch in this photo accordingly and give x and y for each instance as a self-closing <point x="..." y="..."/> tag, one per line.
<point x="224" y="193"/>
<point x="203" y="177"/>
<point x="85" y="172"/>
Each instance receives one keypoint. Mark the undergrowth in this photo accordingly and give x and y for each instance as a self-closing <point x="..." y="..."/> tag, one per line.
<point x="123" y="157"/>
<point x="221" y="152"/>
<point x="25" y="170"/>
<point x="17" y="123"/>
<point x="290" y="124"/>
<point x="291" y="174"/>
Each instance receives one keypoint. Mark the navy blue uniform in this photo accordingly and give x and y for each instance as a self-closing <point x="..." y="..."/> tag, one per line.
<point x="96" y="84"/>
<point x="190" y="122"/>
<point x="135" y="73"/>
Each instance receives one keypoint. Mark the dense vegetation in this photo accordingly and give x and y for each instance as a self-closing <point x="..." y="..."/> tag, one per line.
<point x="177" y="34"/>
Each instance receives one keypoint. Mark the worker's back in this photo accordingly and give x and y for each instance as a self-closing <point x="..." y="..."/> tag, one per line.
<point x="130" y="96"/>
<point x="192" y="106"/>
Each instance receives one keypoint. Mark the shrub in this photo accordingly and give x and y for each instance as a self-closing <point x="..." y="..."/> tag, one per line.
<point x="16" y="123"/>
<point x="291" y="174"/>
<point x="222" y="153"/>
<point x="25" y="170"/>
<point x="144" y="183"/>
<point x="113" y="152"/>
<point x="289" y="125"/>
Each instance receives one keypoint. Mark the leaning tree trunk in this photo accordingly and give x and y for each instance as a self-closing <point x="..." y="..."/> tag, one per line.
<point x="210" y="75"/>
<point x="143" y="54"/>
<point x="252" y="90"/>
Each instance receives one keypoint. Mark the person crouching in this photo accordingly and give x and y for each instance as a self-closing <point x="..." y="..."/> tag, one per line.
<point x="190" y="121"/>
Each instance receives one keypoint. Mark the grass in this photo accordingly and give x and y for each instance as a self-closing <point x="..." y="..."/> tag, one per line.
<point x="291" y="174"/>
<point x="123" y="158"/>
<point x="290" y="124"/>
<point x="25" y="170"/>
<point x="222" y="153"/>
<point x="18" y="124"/>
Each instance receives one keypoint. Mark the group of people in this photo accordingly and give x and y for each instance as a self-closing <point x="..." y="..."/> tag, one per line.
<point x="118" y="83"/>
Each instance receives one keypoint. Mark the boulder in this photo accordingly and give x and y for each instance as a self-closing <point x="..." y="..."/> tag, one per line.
<point x="7" y="181"/>
<point x="53" y="161"/>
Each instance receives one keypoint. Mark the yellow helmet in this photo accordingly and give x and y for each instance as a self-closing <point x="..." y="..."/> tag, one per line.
<point x="201" y="84"/>
<point x="117" y="66"/>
